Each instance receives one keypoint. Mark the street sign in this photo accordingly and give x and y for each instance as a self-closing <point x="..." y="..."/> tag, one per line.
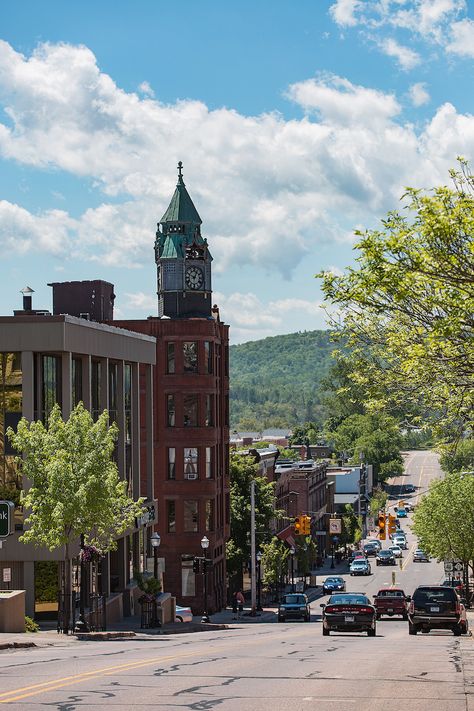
<point x="458" y="566"/>
<point x="448" y="566"/>
<point x="7" y="575"/>
<point x="7" y="509"/>
<point x="335" y="525"/>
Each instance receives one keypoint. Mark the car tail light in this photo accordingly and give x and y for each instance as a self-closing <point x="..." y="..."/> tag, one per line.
<point x="458" y="608"/>
<point x="365" y="610"/>
<point x="411" y="608"/>
<point x="331" y="609"/>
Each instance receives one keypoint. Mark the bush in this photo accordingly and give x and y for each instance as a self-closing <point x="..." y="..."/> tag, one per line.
<point x="31" y="625"/>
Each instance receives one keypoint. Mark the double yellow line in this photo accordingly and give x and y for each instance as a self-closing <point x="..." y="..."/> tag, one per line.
<point x="7" y="697"/>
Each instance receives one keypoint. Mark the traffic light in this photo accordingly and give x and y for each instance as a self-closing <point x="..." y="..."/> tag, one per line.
<point x="382" y="530"/>
<point x="298" y="525"/>
<point x="208" y="564"/>
<point x="307" y="525"/>
<point x="392" y="524"/>
<point x="197" y="565"/>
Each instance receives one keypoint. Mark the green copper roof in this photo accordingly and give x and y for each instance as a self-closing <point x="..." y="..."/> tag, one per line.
<point x="172" y="247"/>
<point x="181" y="207"/>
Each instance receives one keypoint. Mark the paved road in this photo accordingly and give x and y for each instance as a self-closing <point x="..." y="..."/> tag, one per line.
<point x="281" y="667"/>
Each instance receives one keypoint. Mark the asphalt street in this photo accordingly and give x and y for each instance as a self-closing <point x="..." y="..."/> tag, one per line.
<point x="263" y="665"/>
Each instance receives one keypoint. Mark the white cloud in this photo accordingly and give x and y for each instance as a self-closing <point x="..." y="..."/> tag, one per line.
<point x="462" y="38"/>
<point x="146" y="89"/>
<point x="406" y="57"/>
<point x="284" y="187"/>
<point x="140" y="302"/>
<point x="343" y="12"/>
<point x="418" y="94"/>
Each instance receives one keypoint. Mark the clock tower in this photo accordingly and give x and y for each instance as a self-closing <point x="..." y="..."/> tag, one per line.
<point x="182" y="259"/>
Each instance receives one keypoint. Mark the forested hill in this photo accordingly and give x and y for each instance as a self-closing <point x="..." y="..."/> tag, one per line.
<point x="275" y="382"/>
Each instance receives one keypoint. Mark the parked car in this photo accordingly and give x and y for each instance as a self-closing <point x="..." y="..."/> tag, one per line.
<point x="333" y="584"/>
<point x="370" y="549"/>
<point x="396" y="550"/>
<point x="183" y="614"/>
<point x="385" y="557"/>
<point x="360" y="566"/>
<point x="436" y="607"/>
<point x="294" y="606"/>
<point x="391" y="601"/>
<point x="349" y="612"/>
<point x="420" y="556"/>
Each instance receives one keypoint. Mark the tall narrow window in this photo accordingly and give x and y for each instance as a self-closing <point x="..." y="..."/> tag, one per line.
<point x="209" y="410"/>
<point x="171" y="463"/>
<point x="171" y="412"/>
<point x="188" y="577"/>
<point x="190" y="516"/>
<point x="210" y="515"/>
<point x="190" y="410"/>
<point x="190" y="463"/>
<point x="127" y="382"/>
<point x="190" y="357"/>
<point x="171" y="516"/>
<point x="76" y="381"/>
<point x="95" y="388"/>
<point x="170" y="363"/>
<point x="208" y="462"/>
<point x="51" y="384"/>
<point x="113" y="391"/>
<point x="209" y="354"/>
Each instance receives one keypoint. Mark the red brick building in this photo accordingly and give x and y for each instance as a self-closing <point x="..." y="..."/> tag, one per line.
<point x="191" y="407"/>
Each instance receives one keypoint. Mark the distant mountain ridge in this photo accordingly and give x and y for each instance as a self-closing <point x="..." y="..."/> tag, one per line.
<point x="275" y="382"/>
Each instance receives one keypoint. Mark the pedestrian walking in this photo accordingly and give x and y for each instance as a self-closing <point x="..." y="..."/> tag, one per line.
<point x="240" y="603"/>
<point x="234" y="605"/>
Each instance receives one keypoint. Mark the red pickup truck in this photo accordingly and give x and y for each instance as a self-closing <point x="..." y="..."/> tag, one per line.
<point x="391" y="601"/>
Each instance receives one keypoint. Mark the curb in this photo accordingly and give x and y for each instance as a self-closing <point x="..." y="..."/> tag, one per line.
<point x="17" y="645"/>
<point x="102" y="636"/>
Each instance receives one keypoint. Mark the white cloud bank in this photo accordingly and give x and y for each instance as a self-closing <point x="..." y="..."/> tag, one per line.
<point x="268" y="189"/>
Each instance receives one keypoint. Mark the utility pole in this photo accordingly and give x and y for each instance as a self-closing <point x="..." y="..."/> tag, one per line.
<point x="253" y="566"/>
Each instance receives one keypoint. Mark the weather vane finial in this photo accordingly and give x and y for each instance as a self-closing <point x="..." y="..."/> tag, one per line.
<point x="180" y="169"/>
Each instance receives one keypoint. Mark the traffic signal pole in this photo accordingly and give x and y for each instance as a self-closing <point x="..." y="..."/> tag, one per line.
<point x="253" y="561"/>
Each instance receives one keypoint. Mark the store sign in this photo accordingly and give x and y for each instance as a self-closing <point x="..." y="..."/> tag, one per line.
<point x="7" y="509"/>
<point x="335" y="525"/>
<point x="7" y="575"/>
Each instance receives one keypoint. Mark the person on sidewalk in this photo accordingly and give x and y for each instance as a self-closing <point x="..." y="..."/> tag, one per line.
<point x="234" y="604"/>
<point x="240" y="603"/>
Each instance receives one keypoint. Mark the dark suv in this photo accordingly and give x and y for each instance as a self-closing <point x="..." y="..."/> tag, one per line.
<point x="436" y="607"/>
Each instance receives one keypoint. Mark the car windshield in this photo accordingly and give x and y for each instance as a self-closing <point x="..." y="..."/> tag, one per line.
<point x="294" y="600"/>
<point x="348" y="600"/>
<point x="385" y="554"/>
<point x="334" y="580"/>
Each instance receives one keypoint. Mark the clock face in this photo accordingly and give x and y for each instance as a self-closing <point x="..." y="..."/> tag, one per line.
<point x="194" y="278"/>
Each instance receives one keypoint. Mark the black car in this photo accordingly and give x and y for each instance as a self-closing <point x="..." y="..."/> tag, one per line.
<point x="436" y="607"/>
<point x="349" y="612"/>
<point x="371" y="549"/>
<point x="333" y="584"/>
<point x="294" y="606"/>
<point x="385" y="557"/>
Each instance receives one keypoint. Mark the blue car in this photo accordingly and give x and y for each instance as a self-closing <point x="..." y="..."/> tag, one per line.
<point x="333" y="584"/>
<point x="402" y="513"/>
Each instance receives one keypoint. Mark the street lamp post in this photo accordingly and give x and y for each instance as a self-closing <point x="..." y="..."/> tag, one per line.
<point x="205" y="546"/>
<point x="332" y="553"/>
<point x="259" y="581"/>
<point x="155" y="540"/>
<point x="81" y="624"/>
<point x="292" y="555"/>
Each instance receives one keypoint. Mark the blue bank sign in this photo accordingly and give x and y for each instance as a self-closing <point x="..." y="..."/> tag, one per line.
<point x="7" y="509"/>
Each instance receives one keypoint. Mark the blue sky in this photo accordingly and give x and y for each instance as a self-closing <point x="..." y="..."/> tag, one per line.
<point x="296" y="123"/>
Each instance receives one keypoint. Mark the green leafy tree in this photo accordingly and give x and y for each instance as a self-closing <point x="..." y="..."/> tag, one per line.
<point x="74" y="483"/>
<point x="351" y="527"/>
<point x="459" y="457"/>
<point x="377" y="502"/>
<point x="444" y="519"/>
<point x="274" y="562"/>
<point x="242" y="471"/>
<point x="407" y="307"/>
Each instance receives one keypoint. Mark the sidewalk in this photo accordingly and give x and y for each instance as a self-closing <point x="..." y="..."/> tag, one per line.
<point x="129" y="627"/>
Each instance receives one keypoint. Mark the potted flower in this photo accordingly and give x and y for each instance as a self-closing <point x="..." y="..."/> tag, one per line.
<point x="90" y="554"/>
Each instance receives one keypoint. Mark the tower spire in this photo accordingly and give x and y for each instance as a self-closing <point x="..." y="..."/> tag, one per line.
<point x="180" y="173"/>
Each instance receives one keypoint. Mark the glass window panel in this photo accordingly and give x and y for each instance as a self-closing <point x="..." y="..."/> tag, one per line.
<point x="209" y="355"/>
<point x="171" y="410"/>
<point x="11" y="383"/>
<point x="190" y="410"/>
<point x="190" y="516"/>
<point x="190" y="462"/>
<point x="171" y="516"/>
<point x="209" y="410"/>
<point x="113" y="391"/>
<point x="76" y="381"/>
<point x="208" y="462"/>
<point x="190" y="357"/>
<point x="170" y="362"/>
<point x="95" y="388"/>
<point x="171" y="463"/>
<point x="51" y="385"/>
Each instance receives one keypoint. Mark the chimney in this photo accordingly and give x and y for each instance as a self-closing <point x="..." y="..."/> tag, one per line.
<point x="27" y="298"/>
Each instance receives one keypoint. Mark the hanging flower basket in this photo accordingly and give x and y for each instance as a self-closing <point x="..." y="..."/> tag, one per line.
<point x="90" y="554"/>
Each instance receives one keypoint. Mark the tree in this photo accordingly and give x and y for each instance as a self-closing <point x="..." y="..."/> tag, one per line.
<point x="459" y="458"/>
<point x="274" y="562"/>
<point x="377" y="502"/>
<point x="242" y="471"/>
<point x="408" y="306"/>
<point x="444" y="519"/>
<point x="351" y="527"/>
<point x="75" y="486"/>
